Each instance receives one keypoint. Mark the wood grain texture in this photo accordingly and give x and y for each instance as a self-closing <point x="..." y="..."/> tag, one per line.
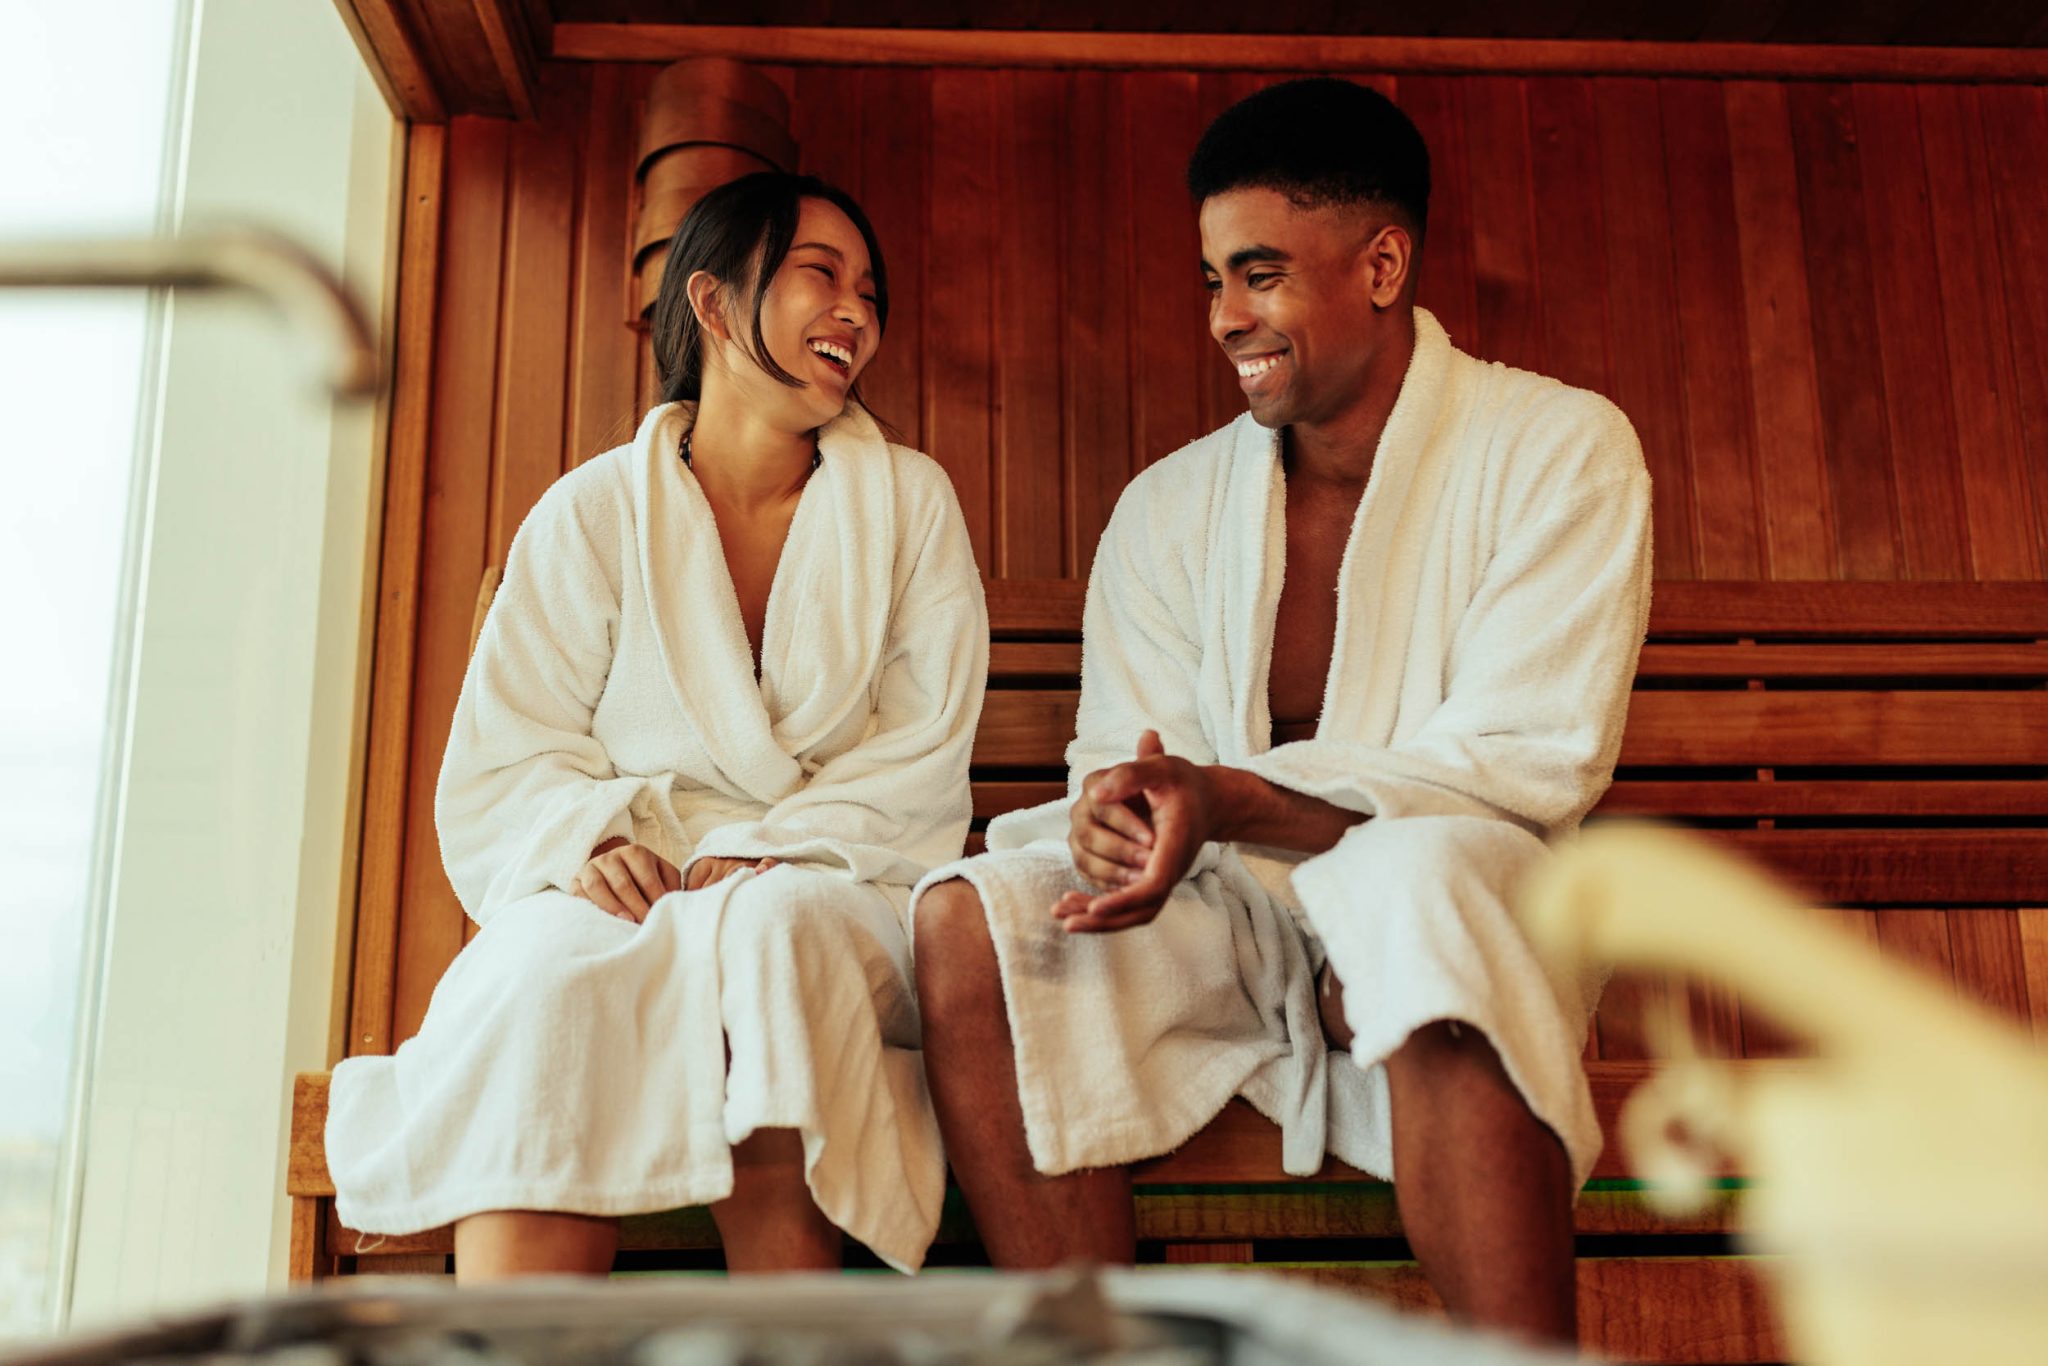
<point x="1289" y="52"/>
<point x="960" y="308"/>
<point x="1913" y="352"/>
<point x="456" y="536"/>
<point x="386" y="780"/>
<point x="1855" y="439"/>
<point x="1712" y="336"/>
<point x="1778" y="313"/>
<point x="1637" y="213"/>
<point x="2033" y="928"/>
<point x="1030" y="518"/>
<point x="2004" y="538"/>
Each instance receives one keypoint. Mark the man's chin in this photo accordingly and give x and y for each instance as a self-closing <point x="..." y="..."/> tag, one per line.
<point x="1270" y="414"/>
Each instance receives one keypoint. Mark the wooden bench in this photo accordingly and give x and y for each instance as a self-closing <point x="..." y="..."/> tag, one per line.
<point x="1882" y="744"/>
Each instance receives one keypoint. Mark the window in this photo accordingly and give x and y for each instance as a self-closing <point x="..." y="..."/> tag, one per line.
<point x="85" y="95"/>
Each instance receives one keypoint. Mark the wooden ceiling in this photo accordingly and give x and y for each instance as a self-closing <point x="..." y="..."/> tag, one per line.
<point x="439" y="58"/>
<point x="1918" y="23"/>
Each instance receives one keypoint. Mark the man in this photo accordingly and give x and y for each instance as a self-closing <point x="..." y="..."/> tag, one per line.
<point x="1350" y="662"/>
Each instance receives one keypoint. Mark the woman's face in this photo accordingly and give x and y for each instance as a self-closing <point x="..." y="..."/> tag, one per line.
<point x="818" y="320"/>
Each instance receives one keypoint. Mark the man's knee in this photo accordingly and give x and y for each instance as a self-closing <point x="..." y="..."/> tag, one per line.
<point x="955" y="955"/>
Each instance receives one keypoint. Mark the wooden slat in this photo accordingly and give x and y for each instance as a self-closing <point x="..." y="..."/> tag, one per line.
<point x="2004" y="543"/>
<point x="1042" y="608"/>
<point x="600" y="365"/>
<point x="1778" y="317"/>
<point x="1168" y="332"/>
<point x="397" y="60"/>
<point x="386" y="778"/>
<point x="1287" y="52"/>
<point x="1904" y="867"/>
<point x="455" y="539"/>
<point x="1989" y="959"/>
<point x="1919" y="939"/>
<point x="1821" y="609"/>
<point x="1914" y="360"/>
<point x="532" y="361"/>
<point x="1096" y="457"/>
<point x="2017" y="661"/>
<point x="1959" y="798"/>
<point x="1504" y="255"/>
<point x="1030" y="539"/>
<point x="994" y="798"/>
<point x="1793" y="729"/>
<point x="2015" y="127"/>
<point x="1025" y="729"/>
<point x="1815" y="610"/>
<point x="1712" y="336"/>
<point x="1855" y="437"/>
<point x="1058" y="659"/>
<point x="1447" y="286"/>
<point x="895" y="165"/>
<point x="1564" y="149"/>
<point x="1647" y="385"/>
<point x="958" y="379"/>
<point x="2033" y="927"/>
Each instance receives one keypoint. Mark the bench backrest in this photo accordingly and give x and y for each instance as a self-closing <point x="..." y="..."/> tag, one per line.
<point x="1879" y="743"/>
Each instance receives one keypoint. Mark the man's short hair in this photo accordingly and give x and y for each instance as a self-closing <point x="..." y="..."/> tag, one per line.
<point x="1322" y="142"/>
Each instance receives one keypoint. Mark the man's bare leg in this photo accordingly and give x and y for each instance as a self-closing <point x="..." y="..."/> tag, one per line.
<point x="770" y="1222"/>
<point x="503" y="1244"/>
<point x="1484" y="1188"/>
<point x="1026" y="1220"/>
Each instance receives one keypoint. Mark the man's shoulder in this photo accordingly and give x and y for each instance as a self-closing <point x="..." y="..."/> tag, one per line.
<point x="1537" y="423"/>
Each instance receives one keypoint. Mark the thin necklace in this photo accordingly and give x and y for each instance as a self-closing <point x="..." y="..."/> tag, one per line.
<point x="817" y="457"/>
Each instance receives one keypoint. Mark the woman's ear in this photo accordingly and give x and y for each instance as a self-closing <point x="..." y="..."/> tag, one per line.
<point x="707" y="301"/>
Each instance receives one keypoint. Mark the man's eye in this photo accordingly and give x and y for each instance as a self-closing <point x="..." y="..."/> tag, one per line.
<point x="1260" y="279"/>
<point x="1212" y="284"/>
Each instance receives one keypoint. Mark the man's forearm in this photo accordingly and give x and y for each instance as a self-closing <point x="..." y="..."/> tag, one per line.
<point x="1250" y="810"/>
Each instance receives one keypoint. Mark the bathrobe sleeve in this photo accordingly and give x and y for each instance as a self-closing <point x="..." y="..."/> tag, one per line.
<point x="525" y="792"/>
<point x="1141" y="663"/>
<point x="1544" y="656"/>
<point x="897" y="804"/>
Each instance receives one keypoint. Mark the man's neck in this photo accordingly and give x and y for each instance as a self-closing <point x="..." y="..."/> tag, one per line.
<point x="743" y="462"/>
<point x="1339" y="450"/>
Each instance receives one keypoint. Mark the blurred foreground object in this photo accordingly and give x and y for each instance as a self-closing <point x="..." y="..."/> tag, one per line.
<point x="978" y="1319"/>
<point x="272" y="267"/>
<point x="1903" y="1177"/>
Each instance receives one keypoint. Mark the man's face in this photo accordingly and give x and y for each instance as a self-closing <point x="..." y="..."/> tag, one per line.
<point x="1292" y="295"/>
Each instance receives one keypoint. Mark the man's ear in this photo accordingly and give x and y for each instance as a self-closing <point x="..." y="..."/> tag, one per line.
<point x="707" y="301"/>
<point x="1387" y="260"/>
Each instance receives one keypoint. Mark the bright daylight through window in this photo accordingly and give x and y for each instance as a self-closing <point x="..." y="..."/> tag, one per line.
<point x="84" y="107"/>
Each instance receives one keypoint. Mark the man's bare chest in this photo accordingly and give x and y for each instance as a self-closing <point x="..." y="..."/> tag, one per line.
<point x="1305" y="626"/>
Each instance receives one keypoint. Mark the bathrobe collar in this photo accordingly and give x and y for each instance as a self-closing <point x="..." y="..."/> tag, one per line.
<point x="830" y="601"/>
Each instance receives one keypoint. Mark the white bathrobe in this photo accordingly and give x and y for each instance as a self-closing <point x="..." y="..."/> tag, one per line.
<point x="1492" y="599"/>
<point x="573" y="1061"/>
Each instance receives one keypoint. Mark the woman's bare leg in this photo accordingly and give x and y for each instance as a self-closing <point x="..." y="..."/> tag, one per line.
<point x="507" y="1243"/>
<point x="770" y="1222"/>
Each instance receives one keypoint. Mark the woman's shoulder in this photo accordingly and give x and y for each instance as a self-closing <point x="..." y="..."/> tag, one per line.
<point x="922" y="483"/>
<point x="590" y="503"/>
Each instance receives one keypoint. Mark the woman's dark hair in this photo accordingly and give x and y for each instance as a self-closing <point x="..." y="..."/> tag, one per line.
<point x="740" y="233"/>
<point x="1321" y="142"/>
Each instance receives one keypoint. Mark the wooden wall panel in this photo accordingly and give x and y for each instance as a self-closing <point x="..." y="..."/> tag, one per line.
<point x="1823" y="304"/>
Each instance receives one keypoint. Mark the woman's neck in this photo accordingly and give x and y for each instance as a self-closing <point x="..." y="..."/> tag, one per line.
<point x="740" y="460"/>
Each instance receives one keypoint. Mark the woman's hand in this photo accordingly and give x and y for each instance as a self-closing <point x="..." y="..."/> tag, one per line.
<point x="624" y="879"/>
<point x="706" y="871"/>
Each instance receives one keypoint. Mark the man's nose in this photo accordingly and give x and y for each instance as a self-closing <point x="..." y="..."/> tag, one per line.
<point x="1227" y="316"/>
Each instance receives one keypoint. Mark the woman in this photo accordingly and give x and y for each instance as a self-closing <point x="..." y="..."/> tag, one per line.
<point x="716" y="725"/>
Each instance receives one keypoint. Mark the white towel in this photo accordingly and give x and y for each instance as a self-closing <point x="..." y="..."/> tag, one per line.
<point x="570" y="1061"/>
<point x="1492" y="599"/>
